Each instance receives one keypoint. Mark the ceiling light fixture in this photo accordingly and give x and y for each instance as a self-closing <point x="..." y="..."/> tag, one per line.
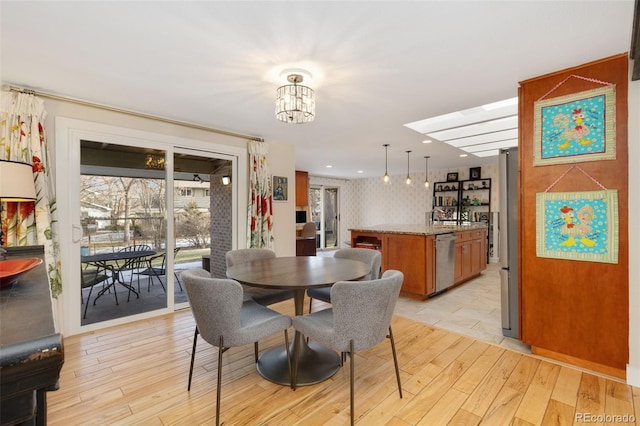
<point x="408" y="180"/>
<point x="426" y="171"/>
<point x="295" y="103"/>
<point x="385" y="179"/>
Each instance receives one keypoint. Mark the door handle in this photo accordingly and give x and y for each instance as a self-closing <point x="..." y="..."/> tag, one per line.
<point x="75" y="231"/>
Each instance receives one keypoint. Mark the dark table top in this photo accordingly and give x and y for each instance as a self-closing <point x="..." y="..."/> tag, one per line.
<point x="118" y="255"/>
<point x="299" y="272"/>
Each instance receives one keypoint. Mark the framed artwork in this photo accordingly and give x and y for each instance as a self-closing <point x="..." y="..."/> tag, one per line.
<point x="452" y="177"/>
<point x="575" y="128"/>
<point x="474" y="173"/>
<point x="280" y="188"/>
<point x="578" y="225"/>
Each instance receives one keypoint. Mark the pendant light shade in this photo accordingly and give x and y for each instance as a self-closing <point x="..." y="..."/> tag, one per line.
<point x="295" y="103"/>
<point x="408" y="180"/>
<point x="385" y="179"/>
<point x="426" y="171"/>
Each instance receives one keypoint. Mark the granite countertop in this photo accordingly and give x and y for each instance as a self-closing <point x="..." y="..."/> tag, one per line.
<point x="418" y="229"/>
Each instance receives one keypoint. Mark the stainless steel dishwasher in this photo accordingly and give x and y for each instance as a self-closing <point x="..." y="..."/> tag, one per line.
<point x="445" y="259"/>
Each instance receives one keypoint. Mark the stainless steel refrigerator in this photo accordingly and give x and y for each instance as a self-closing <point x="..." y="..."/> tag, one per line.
<point x="508" y="231"/>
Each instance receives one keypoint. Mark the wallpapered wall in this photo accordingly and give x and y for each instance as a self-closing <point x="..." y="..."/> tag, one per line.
<point x="369" y="202"/>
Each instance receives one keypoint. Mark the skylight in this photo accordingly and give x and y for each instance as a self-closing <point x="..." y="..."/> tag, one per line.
<point x="481" y="131"/>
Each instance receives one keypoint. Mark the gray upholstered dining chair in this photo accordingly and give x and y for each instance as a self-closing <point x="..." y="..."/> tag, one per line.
<point x="263" y="296"/>
<point x="359" y="319"/>
<point x="225" y="320"/>
<point x="368" y="256"/>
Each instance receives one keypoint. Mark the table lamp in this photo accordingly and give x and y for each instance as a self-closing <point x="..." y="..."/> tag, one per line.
<point x="16" y="184"/>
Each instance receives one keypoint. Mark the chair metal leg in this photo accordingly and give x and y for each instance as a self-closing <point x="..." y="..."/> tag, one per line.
<point x="178" y="280"/>
<point x="86" y="305"/>
<point x="310" y="302"/>
<point x="395" y="361"/>
<point x="220" y="351"/>
<point x="352" y="371"/>
<point x="296" y="353"/>
<point x="286" y="345"/>
<point x="255" y="351"/>
<point x="193" y="356"/>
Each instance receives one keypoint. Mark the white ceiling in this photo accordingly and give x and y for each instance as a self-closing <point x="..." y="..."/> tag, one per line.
<point x="376" y="65"/>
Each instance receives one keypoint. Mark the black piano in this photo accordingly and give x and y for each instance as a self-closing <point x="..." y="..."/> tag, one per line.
<point x="31" y="352"/>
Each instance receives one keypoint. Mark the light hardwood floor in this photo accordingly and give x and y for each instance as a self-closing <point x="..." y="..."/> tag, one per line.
<point x="137" y="374"/>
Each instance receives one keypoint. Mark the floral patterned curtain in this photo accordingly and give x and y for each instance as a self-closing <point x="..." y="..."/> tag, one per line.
<point x="22" y="138"/>
<point x="260" y="218"/>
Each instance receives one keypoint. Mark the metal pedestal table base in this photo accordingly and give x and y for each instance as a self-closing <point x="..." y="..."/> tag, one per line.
<point x="316" y="363"/>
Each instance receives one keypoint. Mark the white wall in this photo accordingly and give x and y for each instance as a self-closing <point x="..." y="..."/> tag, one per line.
<point x="282" y="162"/>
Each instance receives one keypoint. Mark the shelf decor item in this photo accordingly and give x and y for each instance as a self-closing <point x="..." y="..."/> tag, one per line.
<point x="452" y="177"/>
<point x="474" y="173"/>
<point x="577" y="127"/>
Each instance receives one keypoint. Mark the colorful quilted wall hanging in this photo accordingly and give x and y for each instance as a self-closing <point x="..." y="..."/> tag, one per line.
<point x="578" y="225"/>
<point x="575" y="128"/>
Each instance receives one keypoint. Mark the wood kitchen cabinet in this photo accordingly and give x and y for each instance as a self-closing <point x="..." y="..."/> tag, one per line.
<point x="302" y="188"/>
<point x="470" y="254"/>
<point x="414" y="255"/>
<point x="412" y="250"/>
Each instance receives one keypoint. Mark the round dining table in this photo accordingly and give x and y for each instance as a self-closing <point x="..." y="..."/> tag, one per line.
<point x="316" y="362"/>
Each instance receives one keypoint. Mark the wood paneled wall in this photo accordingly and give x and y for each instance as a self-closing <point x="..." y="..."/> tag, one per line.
<point x="572" y="310"/>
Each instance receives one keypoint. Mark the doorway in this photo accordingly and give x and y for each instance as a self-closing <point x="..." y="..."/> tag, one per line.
<point x="138" y="211"/>
<point x="325" y="214"/>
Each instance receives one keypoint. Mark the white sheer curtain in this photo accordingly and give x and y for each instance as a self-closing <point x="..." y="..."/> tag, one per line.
<point x="23" y="139"/>
<point x="260" y="214"/>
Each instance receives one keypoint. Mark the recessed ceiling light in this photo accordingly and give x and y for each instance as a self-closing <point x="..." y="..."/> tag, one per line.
<point x="328" y="166"/>
<point x="427" y="141"/>
<point x="463" y="155"/>
<point x="360" y="171"/>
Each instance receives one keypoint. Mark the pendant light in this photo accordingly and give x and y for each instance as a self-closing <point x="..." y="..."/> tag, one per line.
<point x="408" y="180"/>
<point x="426" y="171"/>
<point x="385" y="179"/>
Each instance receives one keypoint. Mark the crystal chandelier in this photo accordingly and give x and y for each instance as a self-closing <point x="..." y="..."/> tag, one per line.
<point x="295" y="103"/>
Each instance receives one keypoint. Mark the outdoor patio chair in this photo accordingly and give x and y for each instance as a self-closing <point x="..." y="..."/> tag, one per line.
<point x="90" y="278"/>
<point x="157" y="270"/>
<point x="134" y="264"/>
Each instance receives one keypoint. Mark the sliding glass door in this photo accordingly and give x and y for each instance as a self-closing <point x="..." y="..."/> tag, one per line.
<point x="325" y="213"/>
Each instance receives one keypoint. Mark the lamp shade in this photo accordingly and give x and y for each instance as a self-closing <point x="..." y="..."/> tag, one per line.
<point x="16" y="181"/>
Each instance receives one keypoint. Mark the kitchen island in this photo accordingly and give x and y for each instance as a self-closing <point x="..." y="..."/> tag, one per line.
<point x="412" y="250"/>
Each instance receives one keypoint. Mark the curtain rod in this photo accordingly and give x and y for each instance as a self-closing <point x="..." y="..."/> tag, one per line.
<point x="133" y="113"/>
